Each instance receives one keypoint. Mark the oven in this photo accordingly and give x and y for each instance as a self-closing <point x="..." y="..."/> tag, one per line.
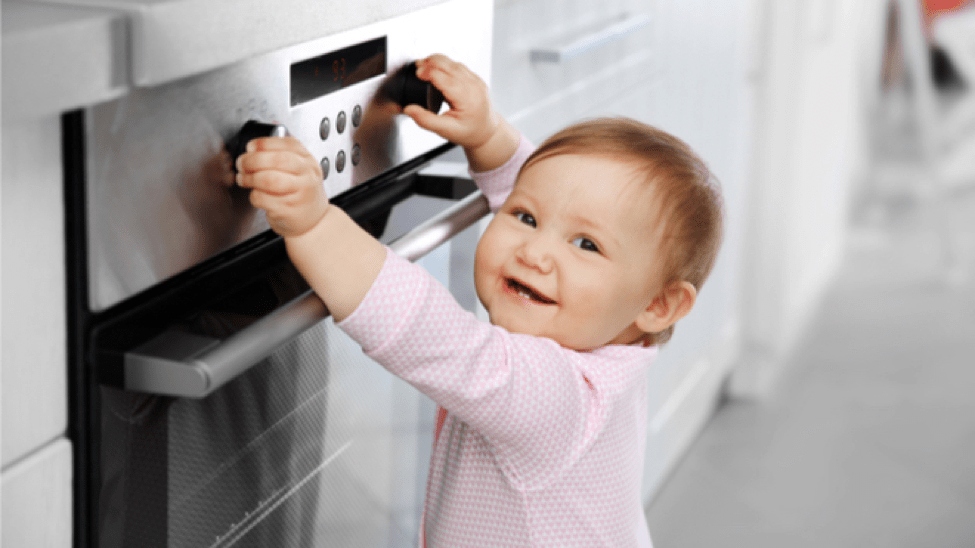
<point x="213" y="403"/>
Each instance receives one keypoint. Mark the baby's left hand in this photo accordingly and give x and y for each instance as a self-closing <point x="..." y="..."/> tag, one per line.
<point x="285" y="181"/>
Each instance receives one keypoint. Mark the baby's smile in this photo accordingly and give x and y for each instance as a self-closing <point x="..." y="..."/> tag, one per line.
<point x="527" y="292"/>
<point x="565" y="257"/>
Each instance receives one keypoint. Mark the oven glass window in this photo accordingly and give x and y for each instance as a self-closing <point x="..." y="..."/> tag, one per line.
<point x="315" y="446"/>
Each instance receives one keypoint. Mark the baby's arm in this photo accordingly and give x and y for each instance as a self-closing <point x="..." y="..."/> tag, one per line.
<point x="337" y="258"/>
<point x="488" y="139"/>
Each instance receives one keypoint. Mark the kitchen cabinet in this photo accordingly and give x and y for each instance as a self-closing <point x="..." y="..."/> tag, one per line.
<point x="37" y="499"/>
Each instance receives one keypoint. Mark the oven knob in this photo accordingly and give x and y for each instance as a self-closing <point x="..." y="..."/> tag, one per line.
<point x="404" y="88"/>
<point x="252" y="130"/>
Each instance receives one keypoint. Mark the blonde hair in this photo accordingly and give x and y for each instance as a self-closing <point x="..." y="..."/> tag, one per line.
<point x="688" y="198"/>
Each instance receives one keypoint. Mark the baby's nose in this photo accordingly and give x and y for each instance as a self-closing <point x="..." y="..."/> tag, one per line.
<point x="536" y="253"/>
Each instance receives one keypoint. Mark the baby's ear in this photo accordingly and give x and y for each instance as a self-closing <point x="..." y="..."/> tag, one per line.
<point x="673" y="303"/>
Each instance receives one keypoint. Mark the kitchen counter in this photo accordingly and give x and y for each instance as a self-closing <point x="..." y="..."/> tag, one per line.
<point x="57" y="58"/>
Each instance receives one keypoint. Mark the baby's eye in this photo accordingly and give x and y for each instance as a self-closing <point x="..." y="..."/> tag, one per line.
<point x="585" y="243"/>
<point x="526" y="218"/>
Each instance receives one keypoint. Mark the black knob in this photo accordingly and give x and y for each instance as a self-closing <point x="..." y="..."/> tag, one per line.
<point x="404" y="88"/>
<point x="252" y="129"/>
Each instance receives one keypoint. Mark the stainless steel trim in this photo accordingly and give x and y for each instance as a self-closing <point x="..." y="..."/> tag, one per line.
<point x="178" y="364"/>
<point x="610" y="33"/>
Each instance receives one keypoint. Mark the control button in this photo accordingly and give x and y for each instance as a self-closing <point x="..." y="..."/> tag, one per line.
<point x="356" y="154"/>
<point x="340" y="161"/>
<point x="340" y="122"/>
<point x="324" y="128"/>
<point x="356" y="117"/>
<point x="325" y="164"/>
<point x="405" y="88"/>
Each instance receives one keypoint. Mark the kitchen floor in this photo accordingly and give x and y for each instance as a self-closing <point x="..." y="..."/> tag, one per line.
<point x="869" y="438"/>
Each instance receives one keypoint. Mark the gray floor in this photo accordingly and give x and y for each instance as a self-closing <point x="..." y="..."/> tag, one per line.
<point x="869" y="440"/>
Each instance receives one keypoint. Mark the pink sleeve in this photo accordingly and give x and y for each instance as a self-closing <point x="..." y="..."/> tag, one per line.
<point x="497" y="183"/>
<point x="524" y="394"/>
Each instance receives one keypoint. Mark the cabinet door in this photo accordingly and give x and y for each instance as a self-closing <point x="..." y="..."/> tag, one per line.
<point x="604" y="50"/>
<point x="34" y="333"/>
<point x="37" y="499"/>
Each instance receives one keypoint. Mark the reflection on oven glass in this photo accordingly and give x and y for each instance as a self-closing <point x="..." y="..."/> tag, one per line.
<point x="315" y="446"/>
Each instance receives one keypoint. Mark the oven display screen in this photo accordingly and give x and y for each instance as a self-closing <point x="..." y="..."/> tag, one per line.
<point x="319" y="76"/>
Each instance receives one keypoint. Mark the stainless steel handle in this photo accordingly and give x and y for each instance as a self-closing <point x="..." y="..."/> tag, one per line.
<point x="589" y="42"/>
<point x="179" y="364"/>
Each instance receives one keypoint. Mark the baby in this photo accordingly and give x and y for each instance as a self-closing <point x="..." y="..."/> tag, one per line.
<point x="601" y="240"/>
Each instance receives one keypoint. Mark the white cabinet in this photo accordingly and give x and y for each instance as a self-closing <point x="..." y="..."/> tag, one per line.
<point x="36" y="499"/>
<point x="541" y="97"/>
<point x="34" y="345"/>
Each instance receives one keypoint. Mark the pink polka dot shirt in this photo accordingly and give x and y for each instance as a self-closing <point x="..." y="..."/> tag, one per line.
<point x="537" y="445"/>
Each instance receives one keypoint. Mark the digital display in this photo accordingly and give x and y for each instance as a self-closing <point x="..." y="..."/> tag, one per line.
<point x="319" y="76"/>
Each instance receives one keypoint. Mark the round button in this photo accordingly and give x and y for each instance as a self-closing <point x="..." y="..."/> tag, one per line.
<point x="325" y="165"/>
<point x="356" y="154"/>
<point x="340" y="161"/>
<point x="340" y="122"/>
<point x="324" y="128"/>
<point x="356" y="116"/>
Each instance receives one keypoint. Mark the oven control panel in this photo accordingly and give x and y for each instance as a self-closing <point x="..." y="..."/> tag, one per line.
<point x="160" y="188"/>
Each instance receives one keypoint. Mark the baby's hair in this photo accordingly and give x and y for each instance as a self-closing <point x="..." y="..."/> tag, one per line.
<point x="687" y="196"/>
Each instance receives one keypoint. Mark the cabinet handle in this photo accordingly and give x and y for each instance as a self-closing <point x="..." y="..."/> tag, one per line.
<point x="584" y="44"/>
<point x="180" y="364"/>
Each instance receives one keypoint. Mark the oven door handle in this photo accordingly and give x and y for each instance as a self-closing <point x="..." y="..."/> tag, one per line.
<point x="179" y="364"/>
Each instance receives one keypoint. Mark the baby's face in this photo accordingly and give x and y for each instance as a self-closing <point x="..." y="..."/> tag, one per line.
<point x="572" y="254"/>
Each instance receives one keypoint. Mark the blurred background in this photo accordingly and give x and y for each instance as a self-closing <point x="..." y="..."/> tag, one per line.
<point x="849" y="419"/>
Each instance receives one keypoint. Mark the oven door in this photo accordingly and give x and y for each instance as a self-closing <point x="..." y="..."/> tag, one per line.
<point x="292" y="437"/>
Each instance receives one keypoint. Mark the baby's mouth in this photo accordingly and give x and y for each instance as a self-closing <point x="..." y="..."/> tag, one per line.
<point x="527" y="292"/>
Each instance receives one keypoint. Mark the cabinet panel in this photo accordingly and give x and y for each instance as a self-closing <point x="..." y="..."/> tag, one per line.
<point x="541" y="97"/>
<point x="33" y="347"/>
<point x="36" y="499"/>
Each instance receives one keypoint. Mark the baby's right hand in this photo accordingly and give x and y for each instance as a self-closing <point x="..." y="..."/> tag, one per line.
<point x="285" y="181"/>
<point x="471" y="121"/>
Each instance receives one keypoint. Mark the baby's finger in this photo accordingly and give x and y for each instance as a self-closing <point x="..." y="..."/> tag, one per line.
<point x="445" y="80"/>
<point x="284" y="144"/>
<point x="287" y="161"/>
<point x="274" y="143"/>
<point x="270" y="182"/>
<point x="260" y="200"/>
<point x="447" y="74"/>
<point x="445" y="126"/>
